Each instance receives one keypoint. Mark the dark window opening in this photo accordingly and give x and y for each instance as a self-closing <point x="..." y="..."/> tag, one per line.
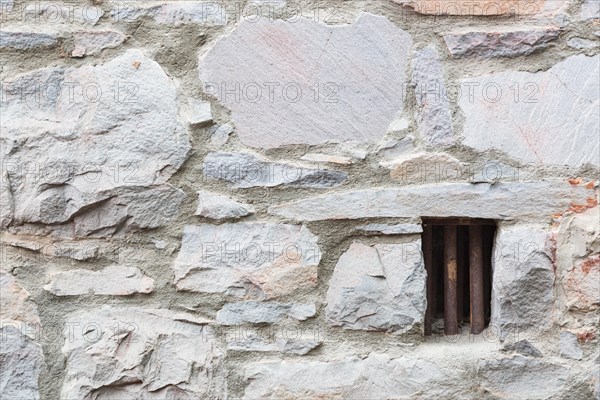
<point x="458" y="260"/>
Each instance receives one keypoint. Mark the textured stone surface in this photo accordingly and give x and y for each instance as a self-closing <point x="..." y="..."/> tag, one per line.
<point x="582" y="44"/>
<point x="569" y="346"/>
<point x="539" y="127"/>
<point x="433" y="108"/>
<point x="378" y="288"/>
<point x="189" y="12"/>
<point x="102" y="161"/>
<point x="88" y="43"/>
<point x="522" y="378"/>
<point x="254" y="260"/>
<point x="16" y="304"/>
<point x="307" y="82"/>
<point x="474" y="7"/>
<point x="282" y="345"/>
<point x="590" y="9"/>
<point x="528" y="201"/>
<point x="61" y="13"/>
<point x="77" y="250"/>
<point x="115" y="353"/>
<point x="499" y="44"/>
<point x="420" y="168"/>
<point x="384" y="229"/>
<point x="326" y="158"/>
<point x="114" y="280"/>
<point x="522" y="293"/>
<point x="219" y="135"/>
<point x="26" y="40"/>
<point x="216" y="206"/>
<point x="247" y="170"/>
<point x="197" y="112"/>
<point x="255" y="312"/>
<point x="522" y="347"/>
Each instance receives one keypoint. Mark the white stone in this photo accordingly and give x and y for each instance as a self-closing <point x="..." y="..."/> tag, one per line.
<point x="197" y="112"/>
<point x="251" y="260"/>
<point x="23" y="40"/>
<point x="326" y="158"/>
<point x="220" y="135"/>
<point x="209" y="13"/>
<point x="421" y="168"/>
<point x="378" y="288"/>
<point x="61" y="13"/>
<point x="433" y="108"/>
<point x="582" y="44"/>
<point x="281" y="345"/>
<point x="523" y="281"/>
<point x="535" y="201"/>
<point x="114" y="281"/>
<point x="590" y="9"/>
<point x="387" y="229"/>
<point x="16" y="305"/>
<point x="99" y="156"/>
<point x="217" y="206"/>
<point x="255" y="312"/>
<point x="88" y="43"/>
<point x="7" y="207"/>
<point x="77" y="250"/>
<point x="332" y="83"/>
<point x="246" y="170"/>
<point x="569" y="346"/>
<point x="114" y="353"/>
<point x="554" y="121"/>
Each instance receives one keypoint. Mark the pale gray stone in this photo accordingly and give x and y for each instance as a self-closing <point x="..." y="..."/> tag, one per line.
<point x="420" y="168"/>
<point x="61" y="13"/>
<point x="522" y="378"/>
<point x="209" y="13"/>
<point x="197" y="112"/>
<point x="114" y="280"/>
<point x="76" y="250"/>
<point x="538" y="127"/>
<point x="88" y="43"/>
<point x="21" y="361"/>
<point x="93" y="146"/>
<point x="378" y="288"/>
<point x="590" y="9"/>
<point x="522" y="347"/>
<point x="307" y="82"/>
<point x="16" y="305"/>
<point x="569" y="346"/>
<point x="217" y="206"/>
<point x="499" y="44"/>
<point x="26" y="40"/>
<point x="433" y="113"/>
<point x="281" y="345"/>
<point x="255" y="312"/>
<point x="523" y="287"/>
<point x="7" y="207"/>
<point x="114" y="353"/>
<point x="327" y="158"/>
<point x="582" y="44"/>
<point x="246" y="170"/>
<point x="251" y="260"/>
<point x="534" y="201"/>
<point x="220" y="135"/>
<point x="385" y="229"/>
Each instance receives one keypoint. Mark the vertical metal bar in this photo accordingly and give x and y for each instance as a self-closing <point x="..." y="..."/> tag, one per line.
<point x="461" y="244"/>
<point x="476" y="279"/>
<point x="428" y="257"/>
<point x="450" y="272"/>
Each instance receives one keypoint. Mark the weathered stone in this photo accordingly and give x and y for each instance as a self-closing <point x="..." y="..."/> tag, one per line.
<point x="26" y="40"/>
<point x="217" y="206"/>
<point x="420" y="168"/>
<point x="102" y="165"/>
<point x="522" y="378"/>
<point x="62" y="13"/>
<point x="569" y="346"/>
<point x="499" y="44"/>
<point x="525" y="201"/>
<point x="114" y="280"/>
<point x="7" y="207"/>
<point x="131" y="353"/>
<point x="326" y="158"/>
<point x="255" y="312"/>
<point x="16" y="304"/>
<point x="21" y="361"/>
<point x="522" y="347"/>
<point x="281" y="345"/>
<point x="433" y="114"/>
<point x="582" y="44"/>
<point x="522" y="294"/>
<point x="539" y="129"/>
<point x="197" y="112"/>
<point x="252" y="260"/>
<point x="247" y="170"/>
<point x="376" y="377"/>
<point x="77" y="250"/>
<point x="394" y="148"/>
<point x="88" y="43"/>
<point x="289" y="91"/>
<point x="220" y="135"/>
<point x="590" y="9"/>
<point x="474" y="7"/>
<point x="385" y="229"/>
<point x="578" y="260"/>
<point x="378" y="288"/>
<point x="193" y="12"/>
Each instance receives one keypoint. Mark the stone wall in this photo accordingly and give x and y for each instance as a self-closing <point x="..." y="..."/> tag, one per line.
<point x="211" y="200"/>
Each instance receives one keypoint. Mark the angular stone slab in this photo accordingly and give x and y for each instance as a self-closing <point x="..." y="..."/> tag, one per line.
<point x="378" y="288"/>
<point x="255" y="312"/>
<point x="216" y="206"/>
<point x="307" y="82"/>
<point x="88" y="43"/>
<point x="281" y="345"/>
<point x="554" y="121"/>
<point x="251" y="260"/>
<point x="26" y="40"/>
<point x="526" y="201"/>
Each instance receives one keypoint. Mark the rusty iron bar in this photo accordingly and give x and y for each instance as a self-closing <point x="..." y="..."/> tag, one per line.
<point x="428" y="258"/>
<point x="450" y="275"/>
<point x="476" y="279"/>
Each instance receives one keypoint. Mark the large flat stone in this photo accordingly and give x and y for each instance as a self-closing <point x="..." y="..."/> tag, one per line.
<point x="554" y="121"/>
<point x="252" y="260"/>
<point x="525" y="201"/>
<point x="307" y="82"/>
<point x="22" y="40"/>
<point x="92" y="147"/>
<point x="126" y="353"/>
<point x="93" y="42"/>
<point x="378" y="288"/>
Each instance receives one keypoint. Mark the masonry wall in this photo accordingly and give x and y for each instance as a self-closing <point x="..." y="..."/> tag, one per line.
<point x="210" y="200"/>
